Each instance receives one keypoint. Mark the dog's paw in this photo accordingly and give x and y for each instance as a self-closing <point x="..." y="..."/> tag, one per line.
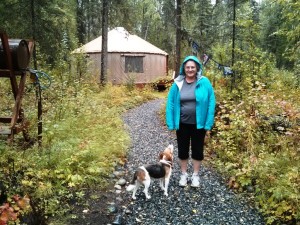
<point x="148" y="197"/>
<point x="133" y="197"/>
<point x="166" y="194"/>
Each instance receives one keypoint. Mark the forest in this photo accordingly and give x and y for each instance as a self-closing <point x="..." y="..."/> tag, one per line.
<point x="251" y="51"/>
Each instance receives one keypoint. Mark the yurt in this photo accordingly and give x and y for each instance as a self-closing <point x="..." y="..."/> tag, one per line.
<point x="129" y="59"/>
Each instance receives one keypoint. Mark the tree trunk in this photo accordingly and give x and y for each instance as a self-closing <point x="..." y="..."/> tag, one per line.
<point x="233" y="32"/>
<point x="233" y="45"/>
<point x="37" y="87"/>
<point x="178" y="37"/>
<point x="103" y="75"/>
<point x="80" y="22"/>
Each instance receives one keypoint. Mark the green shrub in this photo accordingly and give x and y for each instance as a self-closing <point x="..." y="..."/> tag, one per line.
<point x="256" y="142"/>
<point x="83" y="140"/>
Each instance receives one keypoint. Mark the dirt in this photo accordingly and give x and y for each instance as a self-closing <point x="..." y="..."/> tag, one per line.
<point x="101" y="206"/>
<point x="95" y="208"/>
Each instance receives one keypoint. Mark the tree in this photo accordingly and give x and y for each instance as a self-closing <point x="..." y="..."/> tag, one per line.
<point x="178" y="36"/>
<point x="168" y="30"/>
<point x="80" y="19"/>
<point x="290" y="29"/>
<point x="272" y="40"/>
<point x="53" y="27"/>
<point x="105" y="9"/>
<point x="201" y="24"/>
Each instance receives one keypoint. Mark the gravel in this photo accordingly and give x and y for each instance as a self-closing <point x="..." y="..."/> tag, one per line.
<point x="211" y="203"/>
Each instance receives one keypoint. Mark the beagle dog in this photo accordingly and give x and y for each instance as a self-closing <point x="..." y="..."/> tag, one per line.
<point x="161" y="170"/>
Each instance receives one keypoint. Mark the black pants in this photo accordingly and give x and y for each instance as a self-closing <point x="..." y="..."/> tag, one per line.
<point x="188" y="135"/>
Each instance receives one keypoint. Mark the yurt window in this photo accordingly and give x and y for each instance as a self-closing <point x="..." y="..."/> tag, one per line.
<point x="134" y="64"/>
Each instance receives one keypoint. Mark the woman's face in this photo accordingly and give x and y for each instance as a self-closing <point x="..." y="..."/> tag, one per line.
<point x="190" y="69"/>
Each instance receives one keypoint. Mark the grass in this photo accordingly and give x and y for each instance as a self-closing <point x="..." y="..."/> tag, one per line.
<point x="84" y="139"/>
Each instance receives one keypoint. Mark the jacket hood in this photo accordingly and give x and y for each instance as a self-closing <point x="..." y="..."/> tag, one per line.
<point x="196" y="60"/>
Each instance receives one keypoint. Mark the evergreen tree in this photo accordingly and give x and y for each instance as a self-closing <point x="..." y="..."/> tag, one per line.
<point x="53" y="25"/>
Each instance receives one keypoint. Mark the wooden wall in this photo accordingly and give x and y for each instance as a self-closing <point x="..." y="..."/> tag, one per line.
<point x="155" y="66"/>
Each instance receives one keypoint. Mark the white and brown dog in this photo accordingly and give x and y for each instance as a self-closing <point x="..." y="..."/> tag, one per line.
<point x="162" y="170"/>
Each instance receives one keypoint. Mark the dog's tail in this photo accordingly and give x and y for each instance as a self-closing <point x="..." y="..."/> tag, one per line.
<point x="132" y="185"/>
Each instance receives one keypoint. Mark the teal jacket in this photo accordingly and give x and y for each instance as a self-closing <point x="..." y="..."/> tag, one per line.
<point x="205" y="100"/>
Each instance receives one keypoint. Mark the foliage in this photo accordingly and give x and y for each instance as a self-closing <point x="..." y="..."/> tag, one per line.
<point x="256" y="141"/>
<point x="83" y="141"/>
<point x="162" y="83"/>
<point x="290" y="30"/>
<point x="130" y="79"/>
<point x="70" y="23"/>
<point x="272" y="40"/>
<point x="14" y="209"/>
<point x="258" y="113"/>
<point x="50" y="23"/>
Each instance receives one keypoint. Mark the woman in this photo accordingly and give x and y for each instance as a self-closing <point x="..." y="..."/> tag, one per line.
<point x="190" y="111"/>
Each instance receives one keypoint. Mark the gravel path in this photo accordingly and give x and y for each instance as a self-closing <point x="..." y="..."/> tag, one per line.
<point x="211" y="203"/>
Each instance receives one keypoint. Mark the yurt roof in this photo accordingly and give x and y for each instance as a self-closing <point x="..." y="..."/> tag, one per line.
<point x="119" y="40"/>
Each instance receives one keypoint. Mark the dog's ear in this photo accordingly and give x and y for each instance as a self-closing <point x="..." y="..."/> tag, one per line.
<point x="161" y="155"/>
<point x="168" y="157"/>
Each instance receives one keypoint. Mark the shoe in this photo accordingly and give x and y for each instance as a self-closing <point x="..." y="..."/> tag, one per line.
<point x="183" y="180"/>
<point x="195" y="180"/>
